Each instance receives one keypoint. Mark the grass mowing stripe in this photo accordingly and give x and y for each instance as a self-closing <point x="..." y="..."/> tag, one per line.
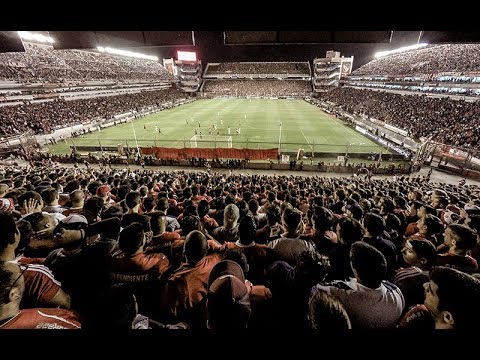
<point x="263" y="116"/>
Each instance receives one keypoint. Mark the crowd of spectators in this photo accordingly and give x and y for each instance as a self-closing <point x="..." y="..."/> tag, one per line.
<point x="130" y="157"/>
<point x="8" y="95"/>
<point x="257" y="87"/>
<point x="461" y="58"/>
<point x="452" y="122"/>
<point x="424" y="89"/>
<point x="44" y="117"/>
<point x="44" y="64"/>
<point x="117" y="249"/>
<point x="302" y="68"/>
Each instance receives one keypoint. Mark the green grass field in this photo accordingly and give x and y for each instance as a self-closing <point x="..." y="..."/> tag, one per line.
<point x="303" y="126"/>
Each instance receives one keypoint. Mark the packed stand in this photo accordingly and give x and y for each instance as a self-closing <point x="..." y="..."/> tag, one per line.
<point x="461" y="58"/>
<point x="46" y="116"/>
<point x="424" y="89"/>
<point x="12" y="95"/>
<point x="43" y="64"/>
<point x="259" y="68"/>
<point x="452" y="122"/>
<point x="257" y="87"/>
<point x="175" y="250"/>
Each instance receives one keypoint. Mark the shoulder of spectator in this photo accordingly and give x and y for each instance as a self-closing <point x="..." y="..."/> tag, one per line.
<point x="215" y="246"/>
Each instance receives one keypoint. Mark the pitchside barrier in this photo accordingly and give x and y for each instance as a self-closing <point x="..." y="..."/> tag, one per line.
<point x="294" y="151"/>
<point x="226" y="153"/>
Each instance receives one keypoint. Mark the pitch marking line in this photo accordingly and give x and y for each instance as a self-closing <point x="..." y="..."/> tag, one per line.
<point x="311" y="147"/>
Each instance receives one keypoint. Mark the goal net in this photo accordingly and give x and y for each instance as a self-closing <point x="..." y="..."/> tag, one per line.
<point x="211" y="141"/>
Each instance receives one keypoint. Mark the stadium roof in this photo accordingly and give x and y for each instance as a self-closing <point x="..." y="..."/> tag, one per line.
<point x="9" y="40"/>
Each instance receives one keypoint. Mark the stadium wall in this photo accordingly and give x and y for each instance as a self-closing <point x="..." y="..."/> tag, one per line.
<point x="468" y="173"/>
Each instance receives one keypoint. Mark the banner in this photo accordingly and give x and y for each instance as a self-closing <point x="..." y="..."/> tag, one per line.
<point x="209" y="153"/>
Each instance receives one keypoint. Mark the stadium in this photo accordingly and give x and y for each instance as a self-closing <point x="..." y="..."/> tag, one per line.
<point x="194" y="180"/>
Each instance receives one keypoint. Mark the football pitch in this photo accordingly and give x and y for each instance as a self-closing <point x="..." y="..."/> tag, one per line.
<point x="285" y="124"/>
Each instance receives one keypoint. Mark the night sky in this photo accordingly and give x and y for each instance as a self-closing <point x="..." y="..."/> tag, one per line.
<point x="209" y="46"/>
<point x="209" y="20"/>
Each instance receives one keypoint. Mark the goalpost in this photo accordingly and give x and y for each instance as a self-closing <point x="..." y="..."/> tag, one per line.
<point x="211" y="141"/>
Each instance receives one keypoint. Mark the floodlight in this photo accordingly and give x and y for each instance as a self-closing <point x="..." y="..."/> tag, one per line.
<point x="126" y="53"/>
<point x="400" y="50"/>
<point x="29" y="36"/>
